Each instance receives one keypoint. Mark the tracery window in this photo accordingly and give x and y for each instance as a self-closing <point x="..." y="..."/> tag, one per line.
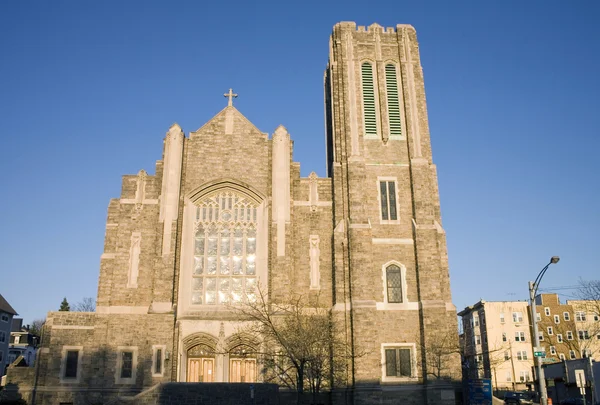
<point x="224" y="249"/>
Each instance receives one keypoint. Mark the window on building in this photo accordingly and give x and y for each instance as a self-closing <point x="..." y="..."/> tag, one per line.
<point x="540" y="335"/>
<point x="561" y="356"/>
<point x="477" y="339"/>
<point x="566" y="316"/>
<point x="583" y="334"/>
<point x="572" y="355"/>
<point x="580" y="316"/>
<point x="475" y="320"/>
<point x="587" y="353"/>
<point x="517" y="317"/>
<point x="569" y="335"/>
<point x="126" y="365"/>
<point x="4" y="318"/>
<point x="504" y="336"/>
<point x="598" y="336"/>
<point x="547" y="311"/>
<point x="556" y="319"/>
<point x="2" y="336"/>
<point x="559" y="338"/>
<point x="596" y="317"/>
<point x="508" y="376"/>
<point x="519" y="336"/>
<point x="480" y="358"/>
<point x="549" y="330"/>
<point x="538" y="317"/>
<point x="524" y="376"/>
<point x="398" y="362"/>
<point x="553" y="350"/>
<point x="502" y="317"/>
<point x="522" y="355"/>
<point x="506" y="355"/>
<point x="158" y="359"/>
<point x="225" y="249"/>
<point x="70" y="367"/>
<point x="394" y="283"/>
<point x="369" y="109"/>
<point x="391" y="83"/>
<point x="387" y="196"/>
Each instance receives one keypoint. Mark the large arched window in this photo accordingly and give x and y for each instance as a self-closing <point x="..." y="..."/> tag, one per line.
<point x="224" y="249"/>
<point x="369" y="105"/>
<point x="391" y="84"/>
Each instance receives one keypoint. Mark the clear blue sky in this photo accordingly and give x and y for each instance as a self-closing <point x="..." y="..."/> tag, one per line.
<point x="89" y="88"/>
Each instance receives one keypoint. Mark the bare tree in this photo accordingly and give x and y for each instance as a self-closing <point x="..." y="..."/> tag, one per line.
<point x="87" y="304"/>
<point x="36" y="327"/>
<point x="297" y="337"/>
<point x="441" y="352"/>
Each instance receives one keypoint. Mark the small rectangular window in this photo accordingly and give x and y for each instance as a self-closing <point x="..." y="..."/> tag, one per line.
<point x="572" y="355"/>
<point x="580" y="316"/>
<point x="547" y="311"/>
<point x="504" y="336"/>
<point x="4" y="318"/>
<point x="158" y="359"/>
<point x="158" y="362"/>
<point x="569" y="335"/>
<point x="71" y="364"/>
<point x="553" y="350"/>
<point x="566" y="316"/>
<point x="559" y="338"/>
<point x="398" y="362"/>
<point x="502" y="318"/>
<point x="550" y="331"/>
<point x="387" y="195"/>
<point x="556" y="319"/>
<point x="126" y="364"/>
<point x="506" y="355"/>
<point x="517" y="317"/>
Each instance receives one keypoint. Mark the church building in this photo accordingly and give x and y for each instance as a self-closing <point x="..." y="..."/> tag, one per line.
<point x="226" y="211"/>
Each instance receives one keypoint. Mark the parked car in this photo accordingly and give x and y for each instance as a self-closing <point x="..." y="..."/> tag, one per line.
<point x="571" y="401"/>
<point x="519" y="397"/>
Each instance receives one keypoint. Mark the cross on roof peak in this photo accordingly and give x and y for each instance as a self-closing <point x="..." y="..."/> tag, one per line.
<point x="231" y="96"/>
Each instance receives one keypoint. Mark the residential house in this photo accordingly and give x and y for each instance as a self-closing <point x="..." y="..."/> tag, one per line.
<point x="6" y="315"/>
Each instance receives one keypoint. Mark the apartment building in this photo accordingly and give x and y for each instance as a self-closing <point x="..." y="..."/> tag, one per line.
<point x="557" y="329"/>
<point x="587" y="323"/>
<point x="497" y="343"/>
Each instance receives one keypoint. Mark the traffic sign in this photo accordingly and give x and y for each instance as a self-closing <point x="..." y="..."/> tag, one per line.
<point x="539" y="354"/>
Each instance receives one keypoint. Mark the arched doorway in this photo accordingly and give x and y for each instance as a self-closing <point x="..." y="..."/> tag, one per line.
<point x="200" y="364"/>
<point x="242" y="364"/>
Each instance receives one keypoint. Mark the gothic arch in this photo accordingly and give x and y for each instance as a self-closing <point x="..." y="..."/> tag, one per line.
<point x="403" y="286"/>
<point x="226" y="183"/>
<point x="240" y="339"/>
<point x="200" y="338"/>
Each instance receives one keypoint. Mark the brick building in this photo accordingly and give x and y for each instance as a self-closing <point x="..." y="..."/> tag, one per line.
<point x="227" y="211"/>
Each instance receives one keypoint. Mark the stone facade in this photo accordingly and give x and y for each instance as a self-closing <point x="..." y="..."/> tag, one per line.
<point x="227" y="212"/>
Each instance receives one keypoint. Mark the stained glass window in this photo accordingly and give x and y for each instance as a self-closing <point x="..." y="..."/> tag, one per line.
<point x="224" y="249"/>
<point x="394" y="283"/>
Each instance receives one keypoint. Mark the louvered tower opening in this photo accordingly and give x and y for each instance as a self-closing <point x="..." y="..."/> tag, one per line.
<point x="369" y="100"/>
<point x="393" y="101"/>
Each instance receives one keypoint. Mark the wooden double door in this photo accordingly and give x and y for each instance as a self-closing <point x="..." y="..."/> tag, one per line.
<point x="202" y="369"/>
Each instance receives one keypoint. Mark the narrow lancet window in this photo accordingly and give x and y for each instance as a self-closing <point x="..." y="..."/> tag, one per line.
<point x="391" y="83"/>
<point x="369" y="111"/>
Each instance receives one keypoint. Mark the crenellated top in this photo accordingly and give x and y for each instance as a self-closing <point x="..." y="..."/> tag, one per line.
<point x="373" y="28"/>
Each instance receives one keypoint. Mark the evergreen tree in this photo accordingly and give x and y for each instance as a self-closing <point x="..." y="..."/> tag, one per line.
<point x="64" y="305"/>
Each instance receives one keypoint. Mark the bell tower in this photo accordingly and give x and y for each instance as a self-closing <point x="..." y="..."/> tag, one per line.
<point x="392" y="286"/>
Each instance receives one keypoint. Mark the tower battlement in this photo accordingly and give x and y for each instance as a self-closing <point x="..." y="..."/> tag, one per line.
<point x="351" y="26"/>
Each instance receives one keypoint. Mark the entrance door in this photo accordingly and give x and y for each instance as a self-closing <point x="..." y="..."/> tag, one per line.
<point x="201" y="370"/>
<point x="242" y="370"/>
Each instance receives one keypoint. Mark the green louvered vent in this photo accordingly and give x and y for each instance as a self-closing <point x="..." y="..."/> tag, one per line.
<point x="369" y="100"/>
<point x="393" y="104"/>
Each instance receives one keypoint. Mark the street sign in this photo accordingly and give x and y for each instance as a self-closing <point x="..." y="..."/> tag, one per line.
<point x="539" y="354"/>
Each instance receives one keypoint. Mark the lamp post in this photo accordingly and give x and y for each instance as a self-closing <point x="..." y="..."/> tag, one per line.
<point x="533" y="288"/>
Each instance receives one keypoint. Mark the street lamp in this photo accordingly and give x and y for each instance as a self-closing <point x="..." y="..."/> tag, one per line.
<point x="533" y="288"/>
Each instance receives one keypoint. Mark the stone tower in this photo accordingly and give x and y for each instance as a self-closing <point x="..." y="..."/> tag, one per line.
<point x="390" y="258"/>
